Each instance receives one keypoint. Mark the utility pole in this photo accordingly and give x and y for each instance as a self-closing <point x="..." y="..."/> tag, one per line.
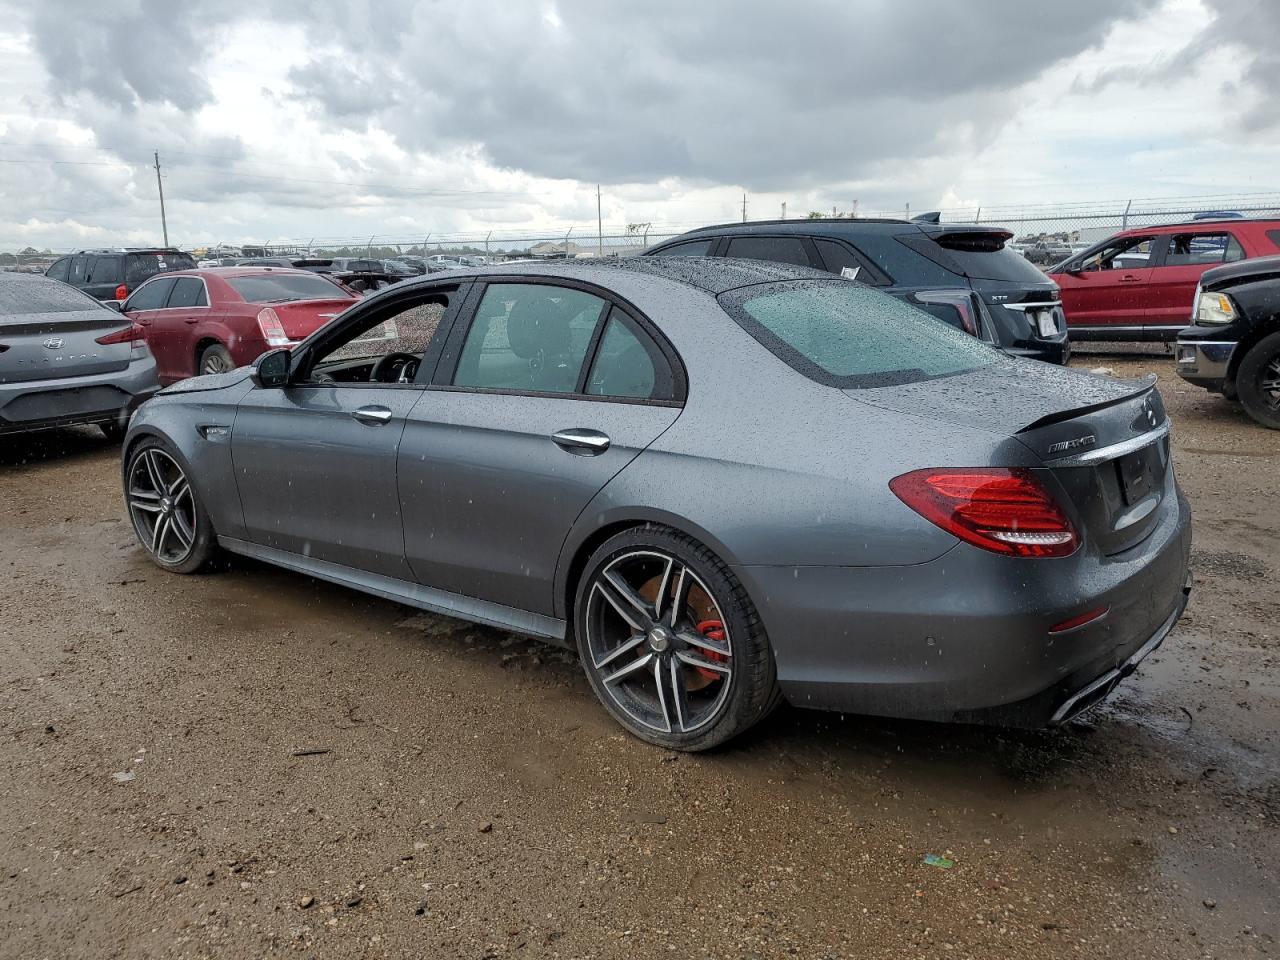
<point x="599" y="225"/>
<point x="164" y="224"/>
<point x="908" y="216"/>
<point x="744" y="208"/>
<point x="853" y="211"/>
<point x="784" y="209"/>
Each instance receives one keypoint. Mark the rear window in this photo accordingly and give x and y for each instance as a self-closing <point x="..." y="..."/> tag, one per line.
<point x="34" y="296"/>
<point x="976" y="255"/>
<point x="847" y="335"/>
<point x="140" y="266"/>
<point x="282" y="287"/>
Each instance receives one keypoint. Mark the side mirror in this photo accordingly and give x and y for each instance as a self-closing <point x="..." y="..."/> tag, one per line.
<point x="115" y="305"/>
<point x="272" y="369"/>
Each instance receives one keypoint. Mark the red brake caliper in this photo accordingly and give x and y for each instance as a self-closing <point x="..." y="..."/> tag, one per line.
<point x="712" y="630"/>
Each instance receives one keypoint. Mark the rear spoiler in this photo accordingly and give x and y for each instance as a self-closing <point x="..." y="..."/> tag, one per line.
<point x="1135" y="388"/>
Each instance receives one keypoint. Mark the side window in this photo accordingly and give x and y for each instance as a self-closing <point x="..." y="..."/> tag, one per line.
<point x="150" y="296"/>
<point x="775" y="249"/>
<point x="841" y="261"/>
<point x="79" y="269"/>
<point x="60" y="269"/>
<point x="1131" y="253"/>
<point x="629" y="364"/>
<point x="528" y="337"/>
<point x="1201" y="249"/>
<point x="141" y="266"/>
<point x="188" y="292"/>
<point x="407" y="332"/>
<point x="693" y="248"/>
<point x="105" y="270"/>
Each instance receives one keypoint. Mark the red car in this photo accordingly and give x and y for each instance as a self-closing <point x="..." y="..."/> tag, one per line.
<point x="1139" y="284"/>
<point x="217" y="319"/>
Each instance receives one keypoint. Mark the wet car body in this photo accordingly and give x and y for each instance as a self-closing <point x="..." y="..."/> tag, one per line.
<point x="783" y="476"/>
<point x="65" y="359"/>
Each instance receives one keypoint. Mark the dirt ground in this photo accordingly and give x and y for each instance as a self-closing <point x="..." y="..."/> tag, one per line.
<point x="254" y="763"/>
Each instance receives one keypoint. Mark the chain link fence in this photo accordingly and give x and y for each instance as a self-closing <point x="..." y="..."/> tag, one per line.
<point x="1073" y="225"/>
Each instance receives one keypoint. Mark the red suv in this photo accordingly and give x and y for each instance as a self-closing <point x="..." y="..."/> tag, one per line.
<point x="214" y="320"/>
<point x="1139" y="284"/>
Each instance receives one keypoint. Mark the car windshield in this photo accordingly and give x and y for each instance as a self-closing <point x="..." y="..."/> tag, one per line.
<point x="23" y="297"/>
<point x="281" y="287"/>
<point x="847" y="335"/>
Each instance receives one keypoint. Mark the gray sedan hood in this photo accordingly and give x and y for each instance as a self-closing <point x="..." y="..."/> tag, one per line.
<point x="1006" y="397"/>
<point x="210" y="381"/>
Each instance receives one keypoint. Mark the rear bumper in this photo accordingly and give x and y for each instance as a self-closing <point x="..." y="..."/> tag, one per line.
<point x="1205" y="363"/>
<point x="1054" y="350"/>
<point x="107" y="398"/>
<point x="966" y="637"/>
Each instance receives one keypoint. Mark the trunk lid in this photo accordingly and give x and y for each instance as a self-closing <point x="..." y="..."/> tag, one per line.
<point x="301" y="318"/>
<point x="1104" y="441"/>
<point x="50" y="346"/>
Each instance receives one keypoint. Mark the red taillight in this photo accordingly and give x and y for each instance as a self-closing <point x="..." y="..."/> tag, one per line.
<point x="134" y="333"/>
<point x="1004" y="510"/>
<point x="122" y="291"/>
<point x="272" y="329"/>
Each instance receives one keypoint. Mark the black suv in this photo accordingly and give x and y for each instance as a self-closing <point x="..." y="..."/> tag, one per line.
<point x="963" y="274"/>
<point x="114" y="274"/>
<point x="1233" y="344"/>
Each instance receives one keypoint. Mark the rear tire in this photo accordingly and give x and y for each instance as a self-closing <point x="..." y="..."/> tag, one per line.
<point x="171" y="525"/>
<point x="1258" y="381"/>
<point x="215" y="359"/>
<point x="670" y="642"/>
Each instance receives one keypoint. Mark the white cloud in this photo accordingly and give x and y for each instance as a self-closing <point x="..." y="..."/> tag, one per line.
<point x="402" y="119"/>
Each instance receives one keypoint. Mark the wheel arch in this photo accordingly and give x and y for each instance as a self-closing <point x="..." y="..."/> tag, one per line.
<point x="586" y="538"/>
<point x="1246" y="343"/>
<point x="204" y="340"/>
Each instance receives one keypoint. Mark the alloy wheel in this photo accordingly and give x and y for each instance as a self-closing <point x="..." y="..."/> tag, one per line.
<point x="162" y="506"/>
<point x="1269" y="383"/>
<point x="659" y="642"/>
<point x="214" y="362"/>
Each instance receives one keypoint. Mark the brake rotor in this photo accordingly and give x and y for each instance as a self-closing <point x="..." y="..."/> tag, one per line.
<point x="703" y="613"/>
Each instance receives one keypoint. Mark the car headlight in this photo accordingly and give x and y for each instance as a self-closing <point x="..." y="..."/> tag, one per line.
<point x="1214" y="309"/>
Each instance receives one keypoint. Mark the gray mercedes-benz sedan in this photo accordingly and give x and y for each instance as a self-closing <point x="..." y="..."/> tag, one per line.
<point x="724" y="482"/>
<point x="66" y="359"/>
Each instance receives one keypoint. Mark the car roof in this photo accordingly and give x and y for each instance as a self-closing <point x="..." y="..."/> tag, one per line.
<point x="840" y="227"/>
<point x="714" y="275"/>
<point x="228" y="273"/>
<point x="1259" y="224"/>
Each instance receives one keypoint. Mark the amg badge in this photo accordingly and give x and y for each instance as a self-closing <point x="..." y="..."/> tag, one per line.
<point x="1088" y="440"/>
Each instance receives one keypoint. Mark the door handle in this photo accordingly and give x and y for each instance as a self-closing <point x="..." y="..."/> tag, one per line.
<point x="1129" y="278"/>
<point x="372" y="416"/>
<point x="582" y="442"/>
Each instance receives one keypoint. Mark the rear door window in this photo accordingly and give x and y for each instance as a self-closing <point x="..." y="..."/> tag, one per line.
<point x="773" y="249"/>
<point x="1201" y="249"/>
<point x="530" y="338"/>
<point x="188" y="292"/>
<point x="693" y="248"/>
<point x="851" y="336"/>
<point x="105" y="270"/>
<point x="60" y="269"/>
<point x="629" y="364"/>
<point x="843" y="262"/>
<point x="150" y="296"/>
<point x="79" y="269"/>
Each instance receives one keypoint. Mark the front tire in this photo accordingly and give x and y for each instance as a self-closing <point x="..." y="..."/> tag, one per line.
<point x="216" y="359"/>
<point x="170" y="523"/>
<point x="1258" y="381"/>
<point x="670" y="641"/>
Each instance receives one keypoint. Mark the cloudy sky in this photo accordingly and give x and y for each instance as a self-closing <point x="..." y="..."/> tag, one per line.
<point x="401" y="119"/>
